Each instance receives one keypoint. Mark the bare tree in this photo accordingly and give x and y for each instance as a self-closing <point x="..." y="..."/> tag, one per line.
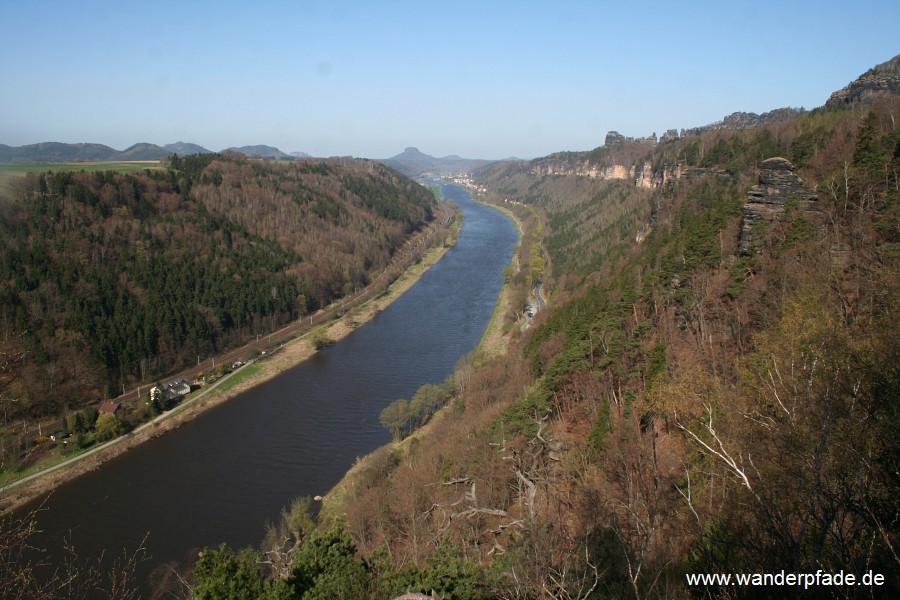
<point x="25" y="575"/>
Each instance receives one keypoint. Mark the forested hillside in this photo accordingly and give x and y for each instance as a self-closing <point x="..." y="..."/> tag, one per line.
<point x="590" y="219"/>
<point x="109" y="279"/>
<point x="687" y="404"/>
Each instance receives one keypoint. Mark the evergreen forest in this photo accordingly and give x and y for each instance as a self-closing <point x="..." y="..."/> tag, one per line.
<point x="110" y="280"/>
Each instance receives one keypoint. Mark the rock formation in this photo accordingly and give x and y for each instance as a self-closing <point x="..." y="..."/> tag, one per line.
<point x="645" y="176"/>
<point x="747" y="120"/>
<point x="614" y="139"/>
<point x="882" y="79"/>
<point x="766" y="201"/>
<point x="670" y="135"/>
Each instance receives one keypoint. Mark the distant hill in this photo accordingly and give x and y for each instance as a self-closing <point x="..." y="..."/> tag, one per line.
<point x="414" y="163"/>
<point x="185" y="148"/>
<point x="59" y="152"/>
<point x="143" y="151"/>
<point x="260" y="152"/>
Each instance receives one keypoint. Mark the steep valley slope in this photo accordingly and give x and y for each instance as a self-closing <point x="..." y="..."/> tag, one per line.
<point x="713" y="388"/>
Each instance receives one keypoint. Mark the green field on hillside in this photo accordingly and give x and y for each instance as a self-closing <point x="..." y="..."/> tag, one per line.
<point x="10" y="171"/>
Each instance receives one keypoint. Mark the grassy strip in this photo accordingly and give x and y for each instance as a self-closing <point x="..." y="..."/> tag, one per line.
<point x="9" y="172"/>
<point x="492" y="342"/>
<point x="245" y="373"/>
<point x="7" y="477"/>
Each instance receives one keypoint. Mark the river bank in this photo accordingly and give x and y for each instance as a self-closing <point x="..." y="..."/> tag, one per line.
<point x="262" y="370"/>
<point x="494" y="341"/>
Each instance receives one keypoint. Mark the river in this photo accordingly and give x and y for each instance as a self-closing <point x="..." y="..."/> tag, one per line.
<point x="222" y="476"/>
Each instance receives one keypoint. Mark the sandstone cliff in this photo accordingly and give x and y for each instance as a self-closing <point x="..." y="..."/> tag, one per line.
<point x="620" y="157"/>
<point x="747" y="120"/>
<point x="882" y="79"/>
<point x="767" y="200"/>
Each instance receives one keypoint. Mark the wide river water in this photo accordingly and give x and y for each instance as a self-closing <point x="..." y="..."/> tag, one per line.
<point x="222" y="476"/>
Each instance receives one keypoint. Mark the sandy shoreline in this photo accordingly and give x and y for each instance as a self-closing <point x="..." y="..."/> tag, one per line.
<point x="290" y="355"/>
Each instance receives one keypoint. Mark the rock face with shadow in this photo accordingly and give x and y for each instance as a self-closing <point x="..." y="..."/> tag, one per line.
<point x="883" y="79"/>
<point x="766" y="201"/>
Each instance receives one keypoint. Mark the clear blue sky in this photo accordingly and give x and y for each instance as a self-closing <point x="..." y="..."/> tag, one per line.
<point x="483" y="79"/>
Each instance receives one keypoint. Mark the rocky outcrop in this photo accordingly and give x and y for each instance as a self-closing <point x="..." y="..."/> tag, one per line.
<point x="881" y="80"/>
<point x="582" y="168"/>
<point x="765" y="202"/>
<point x="620" y="157"/>
<point x="618" y="172"/>
<point x="645" y="178"/>
<point x="642" y="173"/>
<point x="614" y="139"/>
<point x="669" y="136"/>
<point x="647" y="140"/>
<point x="748" y="120"/>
